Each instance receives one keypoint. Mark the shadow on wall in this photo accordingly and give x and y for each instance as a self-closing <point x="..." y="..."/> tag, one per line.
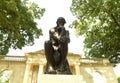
<point x="98" y="78"/>
<point x="92" y="76"/>
<point x="86" y="74"/>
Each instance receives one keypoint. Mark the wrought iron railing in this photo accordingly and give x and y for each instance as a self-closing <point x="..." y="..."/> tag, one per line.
<point x="94" y="60"/>
<point x="12" y="58"/>
<point x="80" y="60"/>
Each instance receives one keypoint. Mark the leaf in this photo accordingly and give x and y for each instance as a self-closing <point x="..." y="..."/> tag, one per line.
<point x="17" y="24"/>
<point x="98" y="21"/>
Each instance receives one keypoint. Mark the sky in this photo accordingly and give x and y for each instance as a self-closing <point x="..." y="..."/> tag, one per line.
<point x="54" y="9"/>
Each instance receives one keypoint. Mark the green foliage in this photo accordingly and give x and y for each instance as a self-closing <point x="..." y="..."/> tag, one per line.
<point x="118" y="79"/>
<point x="17" y="24"/>
<point x="99" y="22"/>
<point x="4" y="76"/>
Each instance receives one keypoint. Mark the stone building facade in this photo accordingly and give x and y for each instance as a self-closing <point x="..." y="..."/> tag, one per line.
<point x="30" y="69"/>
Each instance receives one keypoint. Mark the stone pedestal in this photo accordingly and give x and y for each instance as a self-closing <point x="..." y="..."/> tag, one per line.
<point x="47" y="78"/>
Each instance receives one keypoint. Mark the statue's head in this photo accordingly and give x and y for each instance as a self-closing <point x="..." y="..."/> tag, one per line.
<point x="60" y="21"/>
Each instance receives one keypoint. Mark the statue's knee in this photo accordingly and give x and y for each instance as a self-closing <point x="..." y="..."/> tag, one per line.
<point x="48" y="46"/>
<point x="47" y="42"/>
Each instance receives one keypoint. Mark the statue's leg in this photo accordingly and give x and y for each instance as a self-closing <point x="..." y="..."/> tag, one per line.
<point x="49" y="51"/>
<point x="49" y="69"/>
<point x="63" y="52"/>
<point x="64" y="65"/>
<point x="64" y="68"/>
<point x="67" y="68"/>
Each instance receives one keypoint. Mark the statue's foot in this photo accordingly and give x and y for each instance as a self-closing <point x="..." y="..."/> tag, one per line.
<point x="63" y="72"/>
<point x="50" y="72"/>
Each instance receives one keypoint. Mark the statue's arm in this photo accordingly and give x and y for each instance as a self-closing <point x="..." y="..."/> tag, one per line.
<point x="65" y="38"/>
<point x="51" y="34"/>
<point x="64" y="48"/>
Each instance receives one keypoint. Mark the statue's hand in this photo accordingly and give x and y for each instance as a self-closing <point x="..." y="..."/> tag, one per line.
<point x="57" y="35"/>
<point x="54" y="34"/>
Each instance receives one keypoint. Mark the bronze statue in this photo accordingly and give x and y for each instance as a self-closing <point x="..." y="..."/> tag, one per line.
<point x="56" y="49"/>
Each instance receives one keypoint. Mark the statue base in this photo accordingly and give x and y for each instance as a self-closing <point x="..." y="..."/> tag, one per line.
<point x="48" y="78"/>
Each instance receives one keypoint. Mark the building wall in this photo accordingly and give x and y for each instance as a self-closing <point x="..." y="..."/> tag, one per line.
<point x="17" y="70"/>
<point x="103" y="74"/>
<point x="32" y="68"/>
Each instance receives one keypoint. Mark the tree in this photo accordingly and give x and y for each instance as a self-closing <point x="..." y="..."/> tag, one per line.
<point x="99" y="22"/>
<point x="17" y="24"/>
<point x="4" y="76"/>
<point x="118" y="79"/>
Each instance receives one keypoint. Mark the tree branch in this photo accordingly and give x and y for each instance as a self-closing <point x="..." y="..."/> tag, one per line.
<point x="115" y="20"/>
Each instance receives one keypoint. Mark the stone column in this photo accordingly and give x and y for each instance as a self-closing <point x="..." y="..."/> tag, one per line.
<point x="77" y="69"/>
<point x="28" y="74"/>
<point x="40" y="72"/>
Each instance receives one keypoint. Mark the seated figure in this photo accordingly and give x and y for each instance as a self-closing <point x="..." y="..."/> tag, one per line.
<point x="56" y="49"/>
